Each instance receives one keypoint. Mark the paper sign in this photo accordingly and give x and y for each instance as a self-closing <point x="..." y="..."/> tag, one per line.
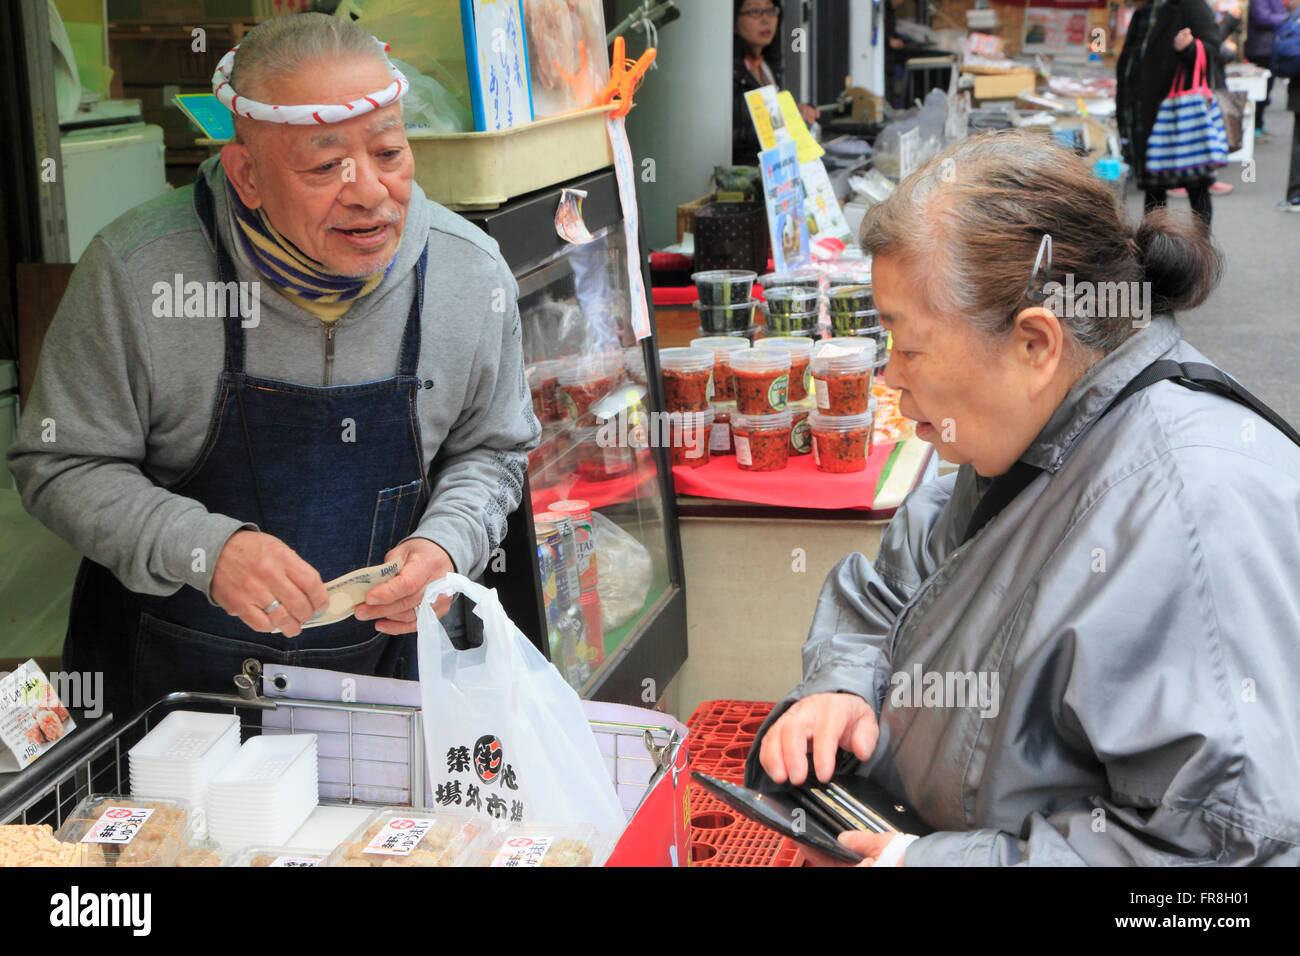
<point x="500" y="91"/>
<point x="809" y="148"/>
<point x="909" y="146"/>
<point x="399" y="836"/>
<point x="765" y="111"/>
<point x="784" y="199"/>
<point x="626" y="174"/>
<point x="118" y="825"/>
<point x="32" y="718"/>
<point x="523" y="851"/>
<point x="822" y="207"/>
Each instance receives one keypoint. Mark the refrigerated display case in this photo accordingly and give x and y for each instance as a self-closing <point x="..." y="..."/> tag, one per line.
<point x="597" y="391"/>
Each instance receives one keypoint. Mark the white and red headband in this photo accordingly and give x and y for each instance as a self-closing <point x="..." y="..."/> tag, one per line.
<point x="304" y="114"/>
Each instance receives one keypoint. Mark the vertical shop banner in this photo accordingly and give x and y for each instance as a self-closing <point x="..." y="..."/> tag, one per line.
<point x="626" y="173"/>
<point x="32" y="718"/>
<point x="497" y="60"/>
<point x="784" y="194"/>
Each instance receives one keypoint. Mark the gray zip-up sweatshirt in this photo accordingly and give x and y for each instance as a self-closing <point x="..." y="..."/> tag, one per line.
<point x="1106" y="673"/>
<point x="124" y="396"/>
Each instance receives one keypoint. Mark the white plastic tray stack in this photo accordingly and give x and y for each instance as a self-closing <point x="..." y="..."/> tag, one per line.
<point x="266" y="793"/>
<point x="178" y="759"/>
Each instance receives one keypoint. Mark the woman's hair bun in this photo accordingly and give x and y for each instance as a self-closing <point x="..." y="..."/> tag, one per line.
<point x="1178" y="258"/>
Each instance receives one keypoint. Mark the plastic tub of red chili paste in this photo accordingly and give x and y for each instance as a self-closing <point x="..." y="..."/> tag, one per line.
<point x="689" y="438"/>
<point x="800" y="358"/>
<point x="584" y="382"/>
<point x="800" y="436"/>
<point x="841" y="371"/>
<point x="722" y="347"/>
<point x="762" y="441"/>
<point x="762" y="377"/>
<point x="688" y="379"/>
<point x="840" y="442"/>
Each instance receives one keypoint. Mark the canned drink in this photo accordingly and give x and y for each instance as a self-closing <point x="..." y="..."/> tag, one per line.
<point x="584" y="534"/>
<point x="566" y="566"/>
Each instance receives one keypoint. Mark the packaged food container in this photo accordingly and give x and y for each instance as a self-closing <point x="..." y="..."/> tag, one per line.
<point x="720" y="442"/>
<point x="850" y="299"/>
<point x="797" y="323"/>
<point x="406" y="836"/>
<point x="201" y="853"/>
<point x="178" y="758"/>
<point x="634" y="364"/>
<point x="762" y="379"/>
<point x="791" y="300"/>
<point x="721" y="346"/>
<point x="800" y="435"/>
<point x="114" y="830"/>
<point x="583" y="382"/>
<point x="544" y="383"/>
<point x="726" y="319"/>
<point x="800" y="349"/>
<point x="689" y="438"/>
<point x="762" y="441"/>
<point x="724" y="286"/>
<point x="601" y="463"/>
<point x="688" y="379"/>
<point x="841" y="371"/>
<point x="750" y="334"/>
<point x="876" y="333"/>
<point x="840" y="442"/>
<point x="849" y="273"/>
<point x="276" y="856"/>
<point x="849" y="324"/>
<point x="810" y="279"/>
<point x="527" y="846"/>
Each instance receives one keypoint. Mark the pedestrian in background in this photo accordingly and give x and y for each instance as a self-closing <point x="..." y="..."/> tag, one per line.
<point x="1265" y="17"/>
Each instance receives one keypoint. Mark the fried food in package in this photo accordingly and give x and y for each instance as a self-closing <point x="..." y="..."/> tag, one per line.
<point x="124" y="831"/>
<point x="409" y="837"/>
<point x="528" y="846"/>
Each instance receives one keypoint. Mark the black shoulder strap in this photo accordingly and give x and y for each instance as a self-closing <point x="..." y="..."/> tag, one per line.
<point x="1193" y="375"/>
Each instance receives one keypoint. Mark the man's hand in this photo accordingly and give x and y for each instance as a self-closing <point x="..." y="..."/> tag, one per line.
<point x="392" y="605"/>
<point x="1183" y="39"/>
<point x="254" y="570"/>
<point x="809" y="113"/>
<point x="870" y="845"/>
<point x="831" y="722"/>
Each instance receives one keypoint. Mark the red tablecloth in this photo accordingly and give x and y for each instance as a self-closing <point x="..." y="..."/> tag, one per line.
<point x="798" y="485"/>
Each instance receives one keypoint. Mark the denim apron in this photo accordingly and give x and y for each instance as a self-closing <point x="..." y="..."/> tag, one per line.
<point x="277" y="455"/>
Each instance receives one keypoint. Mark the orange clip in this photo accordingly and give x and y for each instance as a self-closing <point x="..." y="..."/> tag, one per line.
<point x="625" y="76"/>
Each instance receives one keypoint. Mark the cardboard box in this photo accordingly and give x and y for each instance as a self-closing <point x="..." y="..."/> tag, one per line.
<point x="1002" y="85"/>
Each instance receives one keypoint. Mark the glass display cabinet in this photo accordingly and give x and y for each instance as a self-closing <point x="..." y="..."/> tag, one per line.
<point x="598" y="589"/>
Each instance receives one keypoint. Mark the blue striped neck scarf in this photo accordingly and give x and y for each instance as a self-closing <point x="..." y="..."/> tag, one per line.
<point x="314" y="286"/>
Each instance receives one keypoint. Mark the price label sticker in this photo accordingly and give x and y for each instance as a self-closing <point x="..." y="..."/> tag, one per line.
<point x="523" y="851"/>
<point x="118" y="825"/>
<point x="399" y="836"/>
<point x="743" y="457"/>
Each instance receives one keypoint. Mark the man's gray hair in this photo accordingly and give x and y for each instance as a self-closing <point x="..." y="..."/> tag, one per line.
<point x="289" y="44"/>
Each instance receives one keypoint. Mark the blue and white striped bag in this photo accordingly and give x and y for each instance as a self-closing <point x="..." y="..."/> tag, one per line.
<point x="1188" y="139"/>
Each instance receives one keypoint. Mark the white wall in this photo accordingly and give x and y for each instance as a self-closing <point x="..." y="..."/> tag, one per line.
<point x="682" y="118"/>
<point x="867" y="63"/>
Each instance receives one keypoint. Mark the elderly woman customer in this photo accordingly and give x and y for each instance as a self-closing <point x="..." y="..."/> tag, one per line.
<point x="1114" y="558"/>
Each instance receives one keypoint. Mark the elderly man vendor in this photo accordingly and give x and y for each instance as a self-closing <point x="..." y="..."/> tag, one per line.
<point x="364" y="404"/>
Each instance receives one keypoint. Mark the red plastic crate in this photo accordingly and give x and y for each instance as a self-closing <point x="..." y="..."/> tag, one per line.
<point x="721" y="732"/>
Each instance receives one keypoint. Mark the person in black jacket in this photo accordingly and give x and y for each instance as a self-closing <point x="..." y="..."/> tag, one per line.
<point x="756" y="62"/>
<point x="1292" y="201"/>
<point x="1159" y="37"/>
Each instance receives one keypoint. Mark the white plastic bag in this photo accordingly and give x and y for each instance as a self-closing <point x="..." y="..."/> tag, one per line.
<point x="504" y="734"/>
<point x="623" y="573"/>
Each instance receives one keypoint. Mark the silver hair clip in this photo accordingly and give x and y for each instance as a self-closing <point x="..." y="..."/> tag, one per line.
<point x="1032" y="291"/>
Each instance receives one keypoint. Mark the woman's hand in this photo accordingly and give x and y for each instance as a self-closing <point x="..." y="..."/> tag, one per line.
<point x="809" y="113"/>
<point x="870" y="845"/>
<point x="1183" y="39"/>
<point x="831" y="722"/>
